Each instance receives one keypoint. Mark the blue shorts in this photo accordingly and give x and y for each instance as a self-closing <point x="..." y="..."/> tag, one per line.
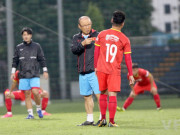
<point x="29" y="83"/>
<point x="88" y="84"/>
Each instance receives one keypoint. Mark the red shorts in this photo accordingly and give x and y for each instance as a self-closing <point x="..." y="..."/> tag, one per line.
<point x="139" y="89"/>
<point x="109" y="81"/>
<point x="32" y="96"/>
<point x="19" y="95"/>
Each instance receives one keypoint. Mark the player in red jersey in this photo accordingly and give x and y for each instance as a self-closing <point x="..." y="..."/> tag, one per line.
<point x="110" y="46"/>
<point x="144" y="82"/>
<point x="19" y="95"/>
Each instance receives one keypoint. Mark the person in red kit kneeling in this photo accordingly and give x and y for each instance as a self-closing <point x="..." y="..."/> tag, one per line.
<point x="19" y="95"/>
<point x="144" y="82"/>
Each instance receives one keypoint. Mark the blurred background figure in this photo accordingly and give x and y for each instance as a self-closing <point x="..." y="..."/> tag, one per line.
<point x="144" y="82"/>
<point x="29" y="56"/>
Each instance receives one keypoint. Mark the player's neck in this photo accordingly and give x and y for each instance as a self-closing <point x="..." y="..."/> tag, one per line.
<point x="116" y="28"/>
<point x="136" y="75"/>
<point x="28" y="42"/>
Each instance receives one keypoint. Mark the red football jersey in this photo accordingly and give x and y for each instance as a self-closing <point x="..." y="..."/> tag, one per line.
<point x="113" y="43"/>
<point x="16" y="78"/>
<point x="142" y="77"/>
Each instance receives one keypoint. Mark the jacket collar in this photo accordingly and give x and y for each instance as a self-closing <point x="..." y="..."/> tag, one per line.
<point x="27" y="43"/>
<point x="90" y="34"/>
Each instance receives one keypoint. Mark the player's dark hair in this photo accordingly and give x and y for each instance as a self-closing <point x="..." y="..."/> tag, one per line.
<point x="26" y="29"/>
<point x="118" y="17"/>
<point x="135" y="65"/>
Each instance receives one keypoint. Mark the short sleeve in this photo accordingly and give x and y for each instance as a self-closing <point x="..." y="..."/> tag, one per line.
<point x="144" y="73"/>
<point x="127" y="47"/>
<point x="128" y="76"/>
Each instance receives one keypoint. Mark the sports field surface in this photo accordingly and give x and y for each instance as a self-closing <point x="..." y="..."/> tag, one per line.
<point x="141" y="118"/>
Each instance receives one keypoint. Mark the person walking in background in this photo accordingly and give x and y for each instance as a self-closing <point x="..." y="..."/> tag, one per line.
<point x="83" y="47"/>
<point x="28" y="56"/>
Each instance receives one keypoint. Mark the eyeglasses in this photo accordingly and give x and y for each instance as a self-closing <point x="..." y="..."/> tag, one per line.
<point x="85" y="25"/>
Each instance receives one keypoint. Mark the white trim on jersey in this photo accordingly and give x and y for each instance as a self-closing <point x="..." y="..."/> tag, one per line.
<point x="147" y="74"/>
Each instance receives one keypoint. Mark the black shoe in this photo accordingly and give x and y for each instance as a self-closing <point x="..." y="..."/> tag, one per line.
<point x="86" y="123"/>
<point x="112" y="125"/>
<point x="102" y="123"/>
<point x="97" y="123"/>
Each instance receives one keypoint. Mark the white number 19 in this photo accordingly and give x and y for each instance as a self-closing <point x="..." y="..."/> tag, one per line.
<point x="112" y="50"/>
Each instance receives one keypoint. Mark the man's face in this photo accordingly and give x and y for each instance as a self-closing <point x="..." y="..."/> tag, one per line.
<point x="135" y="71"/>
<point x="26" y="37"/>
<point x="85" y="26"/>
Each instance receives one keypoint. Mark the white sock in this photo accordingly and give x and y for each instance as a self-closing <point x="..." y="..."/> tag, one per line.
<point x="90" y="117"/>
<point x="30" y="111"/>
<point x="38" y="107"/>
<point x="100" y="116"/>
<point x="9" y="113"/>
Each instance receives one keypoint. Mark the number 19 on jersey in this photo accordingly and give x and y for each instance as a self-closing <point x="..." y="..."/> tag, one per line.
<point x="112" y="51"/>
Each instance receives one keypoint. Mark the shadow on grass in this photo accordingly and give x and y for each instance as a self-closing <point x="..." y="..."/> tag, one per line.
<point x="47" y="119"/>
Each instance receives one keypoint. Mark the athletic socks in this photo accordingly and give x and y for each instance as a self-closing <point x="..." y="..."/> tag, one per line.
<point x="112" y="108"/>
<point x="30" y="112"/>
<point x="8" y="103"/>
<point x="157" y="100"/>
<point x="128" y="102"/>
<point x="100" y="117"/>
<point x="103" y="105"/>
<point x="90" y="117"/>
<point x="44" y="103"/>
<point x="38" y="107"/>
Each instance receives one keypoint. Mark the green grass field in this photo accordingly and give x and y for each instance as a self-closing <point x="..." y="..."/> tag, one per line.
<point x="140" y="119"/>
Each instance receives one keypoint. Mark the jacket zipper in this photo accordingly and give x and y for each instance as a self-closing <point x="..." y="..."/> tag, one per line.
<point x="84" y="58"/>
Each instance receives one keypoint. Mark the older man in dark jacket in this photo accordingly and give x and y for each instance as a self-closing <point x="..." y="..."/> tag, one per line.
<point x="83" y="47"/>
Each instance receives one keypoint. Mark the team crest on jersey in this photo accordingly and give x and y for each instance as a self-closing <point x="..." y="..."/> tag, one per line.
<point x="139" y="80"/>
<point x="112" y="38"/>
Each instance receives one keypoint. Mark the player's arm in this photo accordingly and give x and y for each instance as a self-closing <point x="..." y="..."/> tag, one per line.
<point x="96" y="56"/>
<point x="77" y="48"/>
<point x="14" y="63"/>
<point x="41" y="89"/>
<point x="132" y="87"/>
<point x="128" y="61"/>
<point x="97" y="50"/>
<point x="151" y="78"/>
<point x="13" y="85"/>
<point x="87" y="41"/>
<point x="41" y="59"/>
